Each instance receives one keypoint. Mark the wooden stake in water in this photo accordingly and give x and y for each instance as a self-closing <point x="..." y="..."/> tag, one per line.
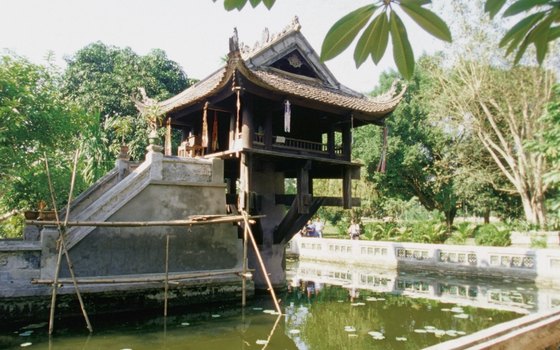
<point x="244" y="274"/>
<point x="166" y="275"/>
<point x="263" y="267"/>
<point x="62" y="246"/>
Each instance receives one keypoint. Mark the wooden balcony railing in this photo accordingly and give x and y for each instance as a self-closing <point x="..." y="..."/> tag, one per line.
<point x="297" y="144"/>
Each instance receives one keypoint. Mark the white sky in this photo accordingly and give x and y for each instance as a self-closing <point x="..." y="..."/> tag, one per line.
<point x="194" y="33"/>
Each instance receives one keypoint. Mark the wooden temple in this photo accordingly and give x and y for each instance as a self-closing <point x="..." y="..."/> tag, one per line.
<point x="271" y="113"/>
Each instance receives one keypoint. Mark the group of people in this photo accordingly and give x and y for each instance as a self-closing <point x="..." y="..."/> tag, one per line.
<point x="313" y="228"/>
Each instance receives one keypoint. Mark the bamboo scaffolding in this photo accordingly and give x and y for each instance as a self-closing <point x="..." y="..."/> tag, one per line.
<point x="146" y="279"/>
<point x="263" y="267"/>
<point x="62" y="247"/>
<point x="188" y="222"/>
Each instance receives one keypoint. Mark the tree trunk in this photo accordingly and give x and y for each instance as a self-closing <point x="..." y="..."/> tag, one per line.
<point x="450" y="217"/>
<point x="486" y="215"/>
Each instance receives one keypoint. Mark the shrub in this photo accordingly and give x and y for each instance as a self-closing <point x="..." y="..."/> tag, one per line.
<point x="491" y="235"/>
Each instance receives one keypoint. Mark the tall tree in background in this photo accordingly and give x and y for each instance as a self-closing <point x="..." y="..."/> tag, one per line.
<point x="35" y="120"/>
<point x="104" y="79"/>
<point x="502" y="108"/>
<point x="421" y="159"/>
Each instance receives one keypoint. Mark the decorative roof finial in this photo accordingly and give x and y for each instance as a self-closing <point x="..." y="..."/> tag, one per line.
<point x="295" y="24"/>
<point x="234" y="41"/>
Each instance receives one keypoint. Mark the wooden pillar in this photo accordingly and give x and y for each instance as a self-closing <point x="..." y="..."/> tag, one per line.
<point x="268" y="130"/>
<point x="244" y="181"/>
<point x="347" y="141"/>
<point x="331" y="143"/>
<point x="168" y="151"/>
<point x="347" y="188"/>
<point x="247" y="128"/>
<point x="304" y="196"/>
<point x="232" y="131"/>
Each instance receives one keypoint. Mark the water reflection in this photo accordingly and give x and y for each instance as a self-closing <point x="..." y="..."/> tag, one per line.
<point x="325" y="307"/>
<point x="499" y="293"/>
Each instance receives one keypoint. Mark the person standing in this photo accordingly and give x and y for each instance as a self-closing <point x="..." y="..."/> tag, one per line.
<point x="354" y="230"/>
<point x="319" y="225"/>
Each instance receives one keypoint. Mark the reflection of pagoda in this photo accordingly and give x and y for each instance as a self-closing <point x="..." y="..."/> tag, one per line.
<point x="274" y="113"/>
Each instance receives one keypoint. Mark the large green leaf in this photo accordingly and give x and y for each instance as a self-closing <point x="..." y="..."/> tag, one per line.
<point x="520" y="29"/>
<point x="343" y="32"/>
<point x="268" y="3"/>
<point x="373" y="40"/>
<point x="402" y="52"/>
<point x="553" y="33"/>
<point x="231" y="5"/>
<point x="540" y="37"/>
<point x="493" y="7"/>
<point x="523" y="6"/>
<point x="255" y="3"/>
<point x="428" y="20"/>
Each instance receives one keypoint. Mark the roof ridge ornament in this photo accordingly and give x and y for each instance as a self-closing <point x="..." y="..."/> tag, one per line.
<point x="234" y="41"/>
<point x="267" y="38"/>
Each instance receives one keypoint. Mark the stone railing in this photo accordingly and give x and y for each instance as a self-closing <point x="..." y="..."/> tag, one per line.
<point x="542" y="265"/>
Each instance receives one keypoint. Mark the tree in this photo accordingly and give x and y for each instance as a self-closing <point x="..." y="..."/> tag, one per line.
<point x="104" y="79"/>
<point x="36" y="121"/>
<point x="537" y="28"/>
<point x="548" y="145"/>
<point x="421" y="158"/>
<point x="502" y="107"/>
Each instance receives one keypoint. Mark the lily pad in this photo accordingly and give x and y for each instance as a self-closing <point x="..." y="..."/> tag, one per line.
<point x="294" y="331"/>
<point x="401" y="339"/>
<point x="261" y="342"/>
<point x="463" y="316"/>
<point x="24" y="345"/>
<point x="420" y="331"/>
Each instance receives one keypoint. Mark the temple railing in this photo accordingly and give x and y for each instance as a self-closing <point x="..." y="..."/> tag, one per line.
<point x="289" y="143"/>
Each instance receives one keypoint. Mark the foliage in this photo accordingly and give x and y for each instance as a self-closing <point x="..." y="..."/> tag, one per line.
<point x="461" y="233"/>
<point x="36" y="121"/>
<point x="537" y="28"/>
<point x="538" y="241"/>
<point x="502" y="118"/>
<point x="106" y="79"/>
<point x="491" y="235"/>
<point x="420" y="151"/>
<point x="12" y="227"/>
<point x="548" y="145"/>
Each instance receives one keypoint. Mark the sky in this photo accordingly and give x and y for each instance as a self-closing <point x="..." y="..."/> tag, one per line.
<point x="193" y="33"/>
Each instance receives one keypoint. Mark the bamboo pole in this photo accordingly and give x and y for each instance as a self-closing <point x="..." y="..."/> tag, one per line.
<point x="166" y="288"/>
<point x="189" y="222"/>
<point x="62" y="246"/>
<point x="147" y="279"/>
<point x="263" y="267"/>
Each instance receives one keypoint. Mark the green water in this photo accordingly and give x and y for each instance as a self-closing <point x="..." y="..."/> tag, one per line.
<point x="317" y="316"/>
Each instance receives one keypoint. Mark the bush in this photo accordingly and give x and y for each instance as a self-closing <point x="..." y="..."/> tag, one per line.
<point x="461" y="232"/>
<point x="491" y="235"/>
<point x="12" y="227"/>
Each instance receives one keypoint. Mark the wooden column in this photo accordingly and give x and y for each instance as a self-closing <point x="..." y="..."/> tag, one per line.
<point x="347" y="141"/>
<point x="347" y="188"/>
<point x="168" y="151"/>
<point x="244" y="181"/>
<point x="331" y="143"/>
<point x="247" y="128"/>
<point x="304" y="196"/>
<point x="268" y="130"/>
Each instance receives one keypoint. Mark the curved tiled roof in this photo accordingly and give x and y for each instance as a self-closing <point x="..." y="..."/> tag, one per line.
<point x="288" y="84"/>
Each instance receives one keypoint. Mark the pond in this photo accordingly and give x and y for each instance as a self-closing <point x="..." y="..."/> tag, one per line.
<point x="318" y="315"/>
